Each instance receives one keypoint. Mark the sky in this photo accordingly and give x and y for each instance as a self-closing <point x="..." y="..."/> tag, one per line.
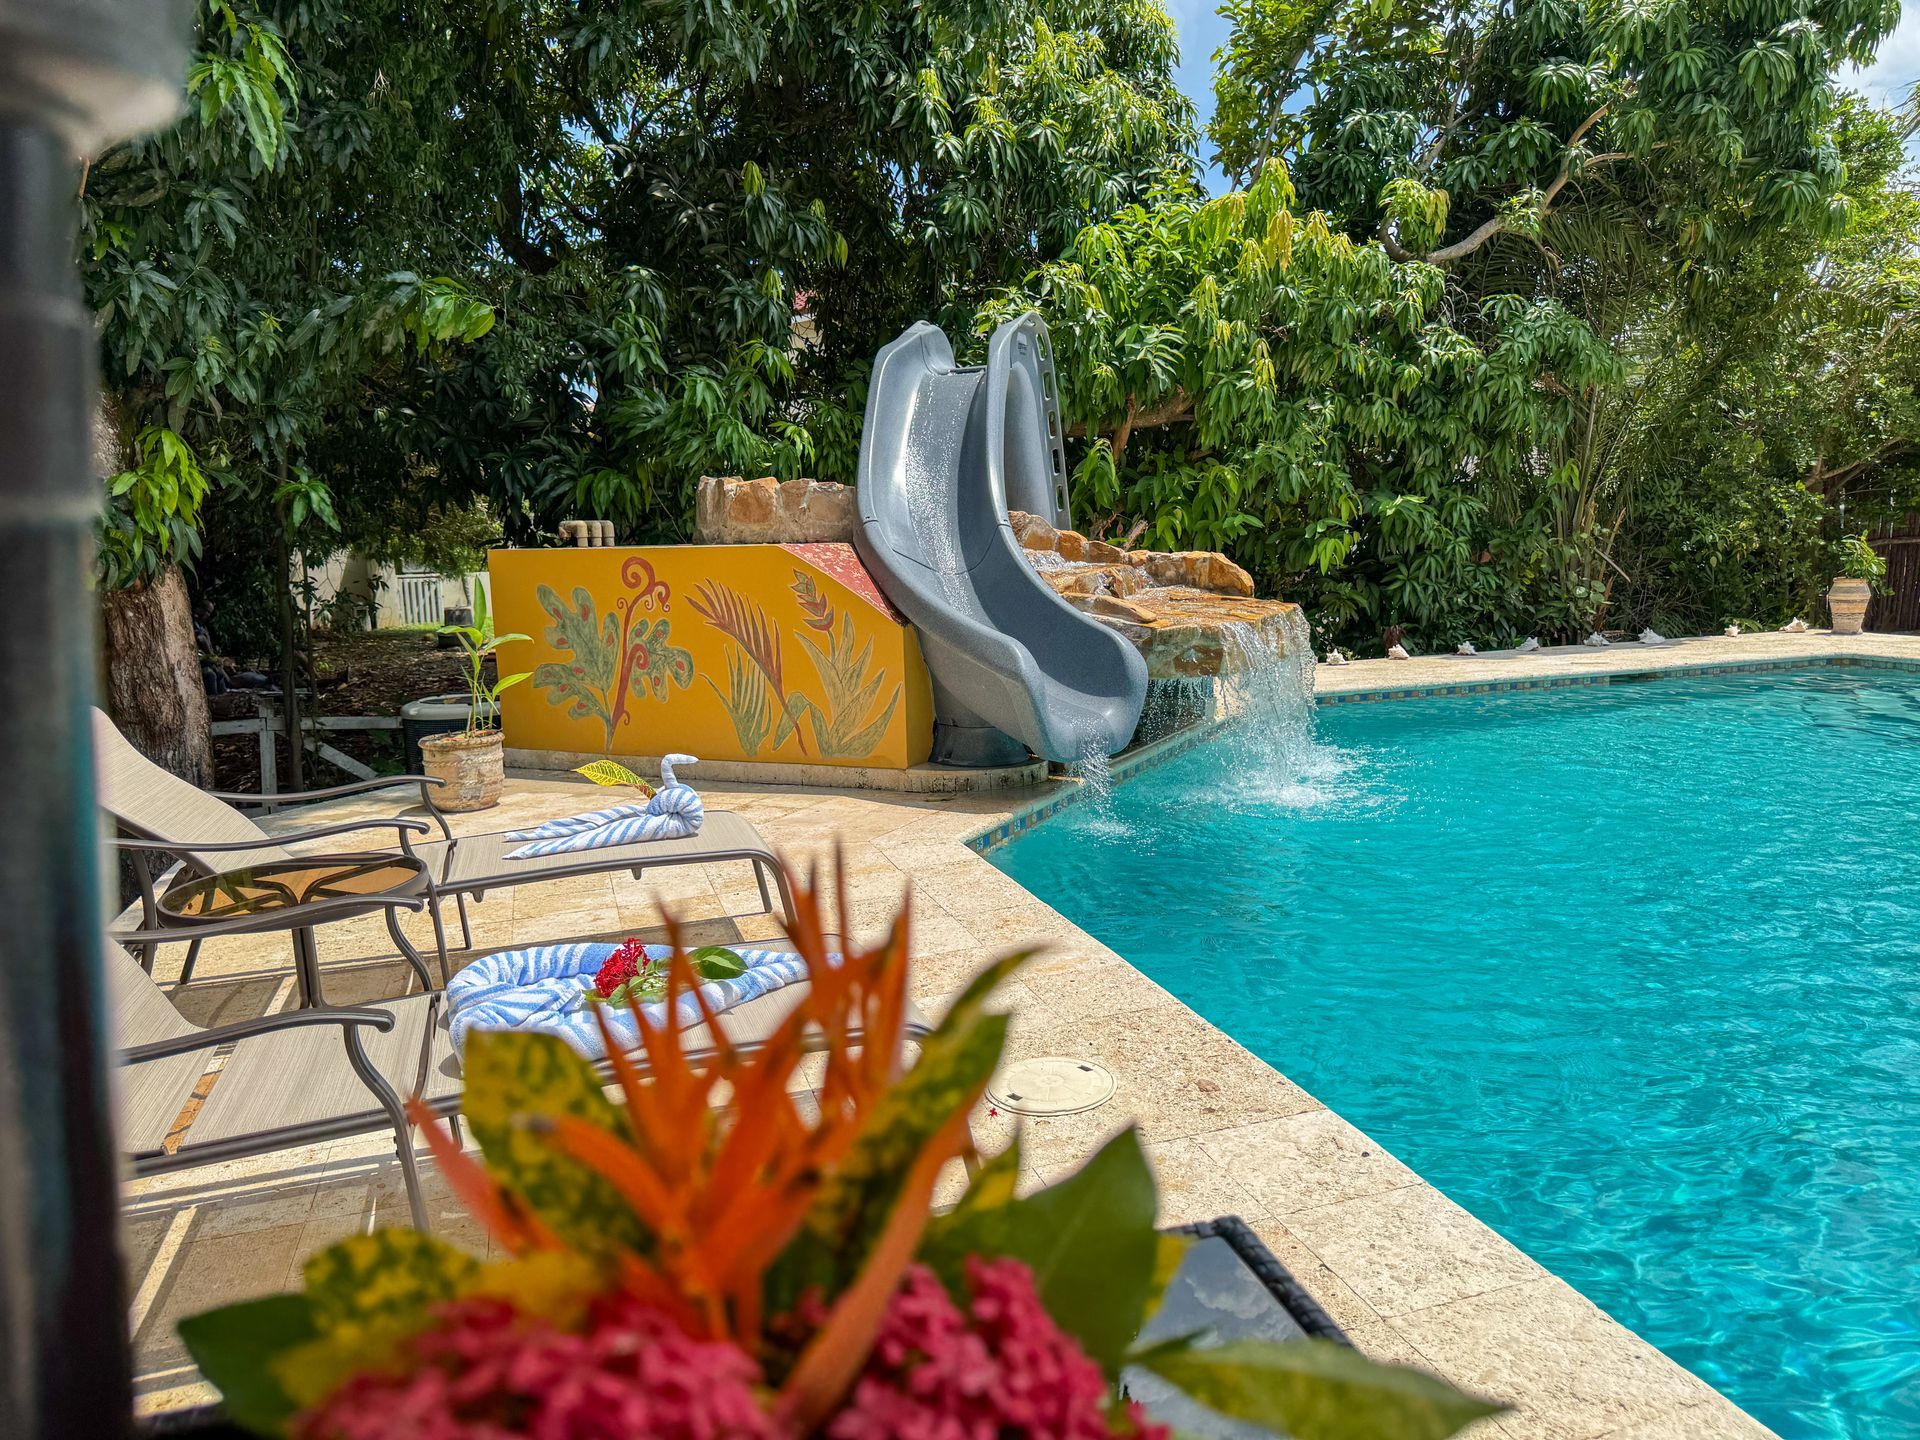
<point x="1202" y="31"/>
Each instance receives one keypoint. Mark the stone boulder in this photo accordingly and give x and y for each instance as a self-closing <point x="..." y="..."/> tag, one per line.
<point x="1198" y="569"/>
<point x="1183" y="633"/>
<point x="1033" y="533"/>
<point x="1195" y="569"/>
<point x="732" y="511"/>
<point x="1084" y="581"/>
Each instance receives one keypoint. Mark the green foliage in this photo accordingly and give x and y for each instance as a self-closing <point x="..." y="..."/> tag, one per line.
<point x="1261" y="384"/>
<point x="235" y="1346"/>
<point x="725" y="211"/>
<point x="1316" y="1390"/>
<point x="154" y="517"/>
<point x="1860" y="561"/>
<point x="477" y="644"/>
<point x="1754" y="425"/>
<point x="1089" y="1241"/>
<point x="258" y="267"/>
<point x="1706" y="124"/>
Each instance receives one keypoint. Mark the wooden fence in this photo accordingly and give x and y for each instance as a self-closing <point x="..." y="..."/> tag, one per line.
<point x="1899" y="608"/>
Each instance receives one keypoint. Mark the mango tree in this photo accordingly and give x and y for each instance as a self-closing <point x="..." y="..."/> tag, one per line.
<point x="1248" y="379"/>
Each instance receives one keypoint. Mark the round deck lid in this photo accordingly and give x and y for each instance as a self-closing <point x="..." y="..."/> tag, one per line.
<point x="1051" y="1085"/>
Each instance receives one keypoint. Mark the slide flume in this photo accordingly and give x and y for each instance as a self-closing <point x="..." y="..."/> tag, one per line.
<point x="946" y="451"/>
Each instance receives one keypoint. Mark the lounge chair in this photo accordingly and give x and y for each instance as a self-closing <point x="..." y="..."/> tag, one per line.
<point x="203" y="830"/>
<point x="303" y="1076"/>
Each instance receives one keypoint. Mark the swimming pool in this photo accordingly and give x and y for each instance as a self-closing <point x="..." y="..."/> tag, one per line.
<point x="1631" y="971"/>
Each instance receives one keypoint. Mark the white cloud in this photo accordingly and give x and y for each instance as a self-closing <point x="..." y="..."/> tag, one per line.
<point x="1895" y="69"/>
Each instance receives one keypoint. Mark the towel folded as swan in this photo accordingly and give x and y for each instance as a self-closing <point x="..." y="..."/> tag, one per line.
<point x="542" y="990"/>
<point x="673" y="813"/>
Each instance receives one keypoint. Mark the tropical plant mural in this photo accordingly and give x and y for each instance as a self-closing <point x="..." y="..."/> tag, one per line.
<point x="849" y="716"/>
<point x="756" y="695"/>
<point x="846" y="725"/>
<point x="619" y="657"/>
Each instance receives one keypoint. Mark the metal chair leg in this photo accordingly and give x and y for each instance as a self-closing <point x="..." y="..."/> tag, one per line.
<point x="466" y="928"/>
<point x="186" y="967"/>
<point x="760" y="875"/>
<point x="412" y="956"/>
<point x="410" y="1176"/>
<point x="440" y="940"/>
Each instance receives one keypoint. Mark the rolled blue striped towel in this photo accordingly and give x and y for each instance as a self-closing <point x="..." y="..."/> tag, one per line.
<point x="673" y="813"/>
<point x="543" y="990"/>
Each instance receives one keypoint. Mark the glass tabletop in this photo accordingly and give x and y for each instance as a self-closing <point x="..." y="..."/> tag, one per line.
<point x="285" y="884"/>
<point x="1231" y="1287"/>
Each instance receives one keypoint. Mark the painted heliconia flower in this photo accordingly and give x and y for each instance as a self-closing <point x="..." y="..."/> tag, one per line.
<point x="488" y="1371"/>
<point x="1000" y="1370"/>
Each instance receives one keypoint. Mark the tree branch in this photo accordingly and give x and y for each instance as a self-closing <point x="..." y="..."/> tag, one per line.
<point x="1177" y="406"/>
<point x="1487" y="229"/>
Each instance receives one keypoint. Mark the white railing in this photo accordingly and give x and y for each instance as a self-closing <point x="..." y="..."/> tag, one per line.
<point x="419" y="599"/>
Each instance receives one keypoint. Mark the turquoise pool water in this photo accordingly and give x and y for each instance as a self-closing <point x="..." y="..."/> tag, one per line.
<point x="1632" y="972"/>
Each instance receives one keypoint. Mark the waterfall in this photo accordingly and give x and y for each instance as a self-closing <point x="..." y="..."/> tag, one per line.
<point x="1267" y="705"/>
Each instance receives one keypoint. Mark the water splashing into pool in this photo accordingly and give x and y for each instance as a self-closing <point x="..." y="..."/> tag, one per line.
<point x="1264" y="696"/>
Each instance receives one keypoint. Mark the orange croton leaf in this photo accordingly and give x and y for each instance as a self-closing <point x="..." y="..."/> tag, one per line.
<point x="723" y="1195"/>
<point x="505" y="1217"/>
<point x="834" y="1356"/>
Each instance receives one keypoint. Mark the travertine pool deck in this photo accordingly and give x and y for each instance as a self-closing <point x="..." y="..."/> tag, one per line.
<point x="1410" y="1275"/>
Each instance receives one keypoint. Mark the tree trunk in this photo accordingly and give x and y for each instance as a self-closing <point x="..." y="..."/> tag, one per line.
<point x="153" y="688"/>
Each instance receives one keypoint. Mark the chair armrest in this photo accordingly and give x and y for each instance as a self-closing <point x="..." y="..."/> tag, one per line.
<point x="332" y="792"/>
<point x="268" y="842"/>
<point x="245" y="1029"/>
<point x="315" y="912"/>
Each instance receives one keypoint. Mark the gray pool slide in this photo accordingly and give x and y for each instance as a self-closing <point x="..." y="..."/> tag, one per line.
<point x="946" y="451"/>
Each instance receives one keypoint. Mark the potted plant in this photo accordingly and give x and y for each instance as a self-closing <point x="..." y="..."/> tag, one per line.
<point x="659" y="1272"/>
<point x="472" y="765"/>
<point x="1863" y="571"/>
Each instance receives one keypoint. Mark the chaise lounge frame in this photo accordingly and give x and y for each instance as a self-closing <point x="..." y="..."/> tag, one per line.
<point x="204" y="831"/>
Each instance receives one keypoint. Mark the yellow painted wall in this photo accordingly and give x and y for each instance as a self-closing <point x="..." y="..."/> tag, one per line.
<point x="728" y="652"/>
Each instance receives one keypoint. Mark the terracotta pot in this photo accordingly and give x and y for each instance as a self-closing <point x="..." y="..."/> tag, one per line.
<point x="1847" y="601"/>
<point x="473" y="766"/>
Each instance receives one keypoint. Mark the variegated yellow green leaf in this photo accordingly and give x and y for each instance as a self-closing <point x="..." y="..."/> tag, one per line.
<point x="308" y="1373"/>
<point x="364" y="1297"/>
<point x="1316" y="1390"/>
<point x="386" y="1277"/>
<point x="610" y="772"/>
<point x="515" y="1081"/>
<point x="553" y="1284"/>
<point x="853" y="1205"/>
<point x="991" y="1186"/>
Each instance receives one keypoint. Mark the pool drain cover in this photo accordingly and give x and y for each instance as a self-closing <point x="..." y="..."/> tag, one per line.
<point x="1051" y="1085"/>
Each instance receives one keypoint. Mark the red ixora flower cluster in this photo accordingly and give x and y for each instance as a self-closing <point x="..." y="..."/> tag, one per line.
<point x="488" y="1371"/>
<point x="620" y="967"/>
<point x="1001" y="1369"/>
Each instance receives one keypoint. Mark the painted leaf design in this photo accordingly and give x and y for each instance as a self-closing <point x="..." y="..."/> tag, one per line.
<point x="748" y="706"/>
<point x="517" y="1084"/>
<point x="581" y="684"/>
<point x="1317" y="1390"/>
<point x="844" y="727"/>
<point x="660" y="664"/>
